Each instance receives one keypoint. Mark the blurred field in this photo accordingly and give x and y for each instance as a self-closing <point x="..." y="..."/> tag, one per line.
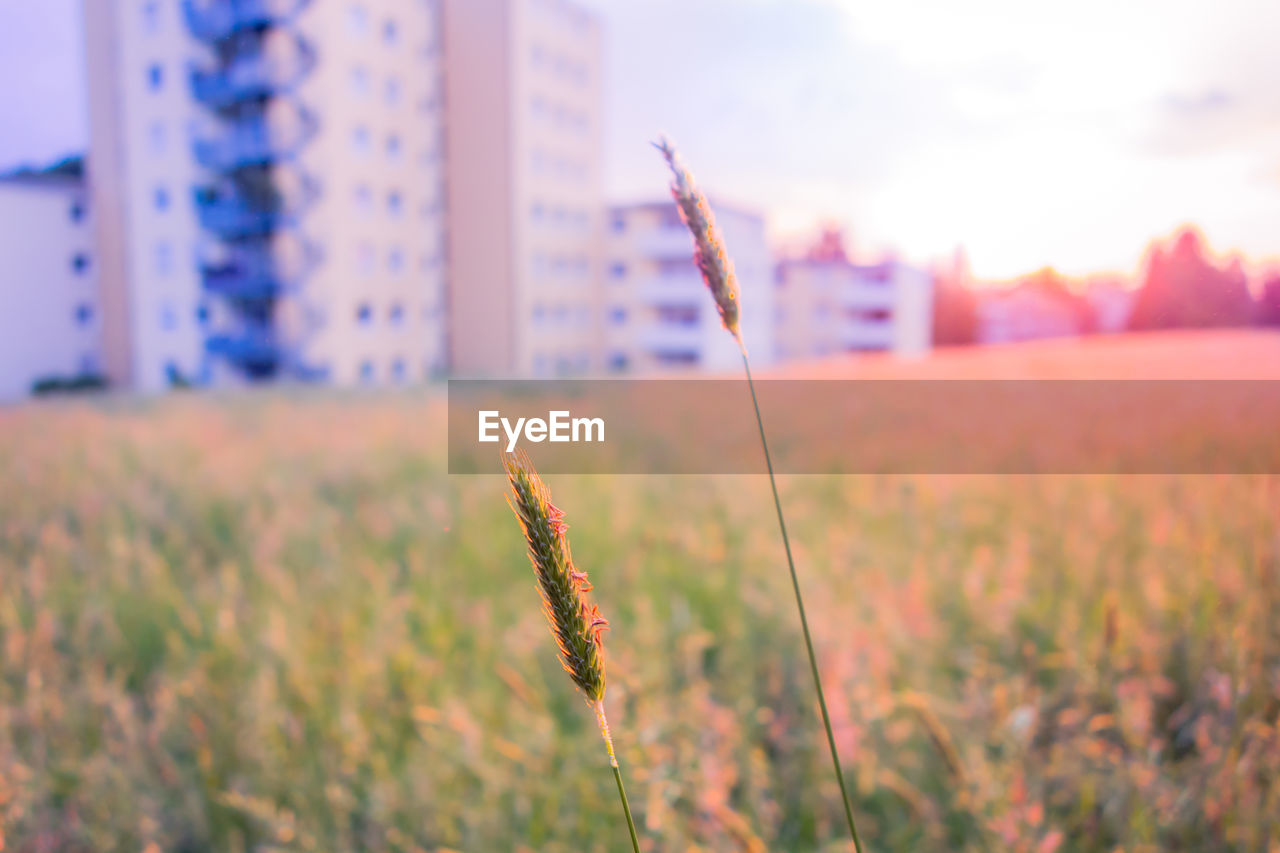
<point x="273" y="623"/>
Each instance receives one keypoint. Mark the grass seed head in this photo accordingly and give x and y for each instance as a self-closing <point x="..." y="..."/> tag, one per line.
<point x="709" y="252"/>
<point x="575" y="621"/>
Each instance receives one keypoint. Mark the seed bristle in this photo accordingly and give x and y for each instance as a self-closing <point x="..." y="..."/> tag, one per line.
<point x="575" y="621"/>
<point x="709" y="252"/>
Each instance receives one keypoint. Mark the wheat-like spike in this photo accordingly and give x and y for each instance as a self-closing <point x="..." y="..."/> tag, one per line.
<point x="709" y="252"/>
<point x="575" y="622"/>
<point x="717" y="272"/>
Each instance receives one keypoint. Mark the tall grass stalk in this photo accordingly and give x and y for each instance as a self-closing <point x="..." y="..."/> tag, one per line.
<point x="717" y="271"/>
<point x="575" y="621"/>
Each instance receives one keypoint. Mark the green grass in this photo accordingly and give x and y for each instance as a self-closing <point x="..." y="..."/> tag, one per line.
<point x="277" y="624"/>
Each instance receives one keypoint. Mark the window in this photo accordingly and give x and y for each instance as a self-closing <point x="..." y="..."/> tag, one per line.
<point x="393" y="147"/>
<point x="395" y="261"/>
<point x="618" y="361"/>
<point x="168" y="318"/>
<point x="393" y="91"/>
<point x="397" y="370"/>
<point x="679" y="315"/>
<point x="155" y="77"/>
<point x="366" y="371"/>
<point x="390" y="33"/>
<point x="360" y="81"/>
<point x="364" y="313"/>
<point x="618" y="270"/>
<point x="619" y="224"/>
<point x="364" y="258"/>
<point x="80" y="263"/>
<point x="84" y="314"/>
<point x="357" y="19"/>
<point x="151" y="15"/>
<point x="77" y="211"/>
<point x="395" y="203"/>
<point x="202" y="314"/>
<point x="360" y="140"/>
<point x="396" y="314"/>
<point x="617" y="315"/>
<point x="363" y="200"/>
<point x="161" y="197"/>
<point x="156" y="137"/>
<point x="164" y="259"/>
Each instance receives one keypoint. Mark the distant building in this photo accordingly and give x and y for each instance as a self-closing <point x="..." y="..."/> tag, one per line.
<point x="827" y="304"/>
<point x="288" y="188"/>
<point x="658" y="315"/>
<point x="50" y="324"/>
<point x="1036" y="307"/>
<point x="1112" y="305"/>
<point x="269" y="178"/>
<point x="525" y="201"/>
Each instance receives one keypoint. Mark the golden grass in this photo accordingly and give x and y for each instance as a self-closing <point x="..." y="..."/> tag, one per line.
<point x="274" y="623"/>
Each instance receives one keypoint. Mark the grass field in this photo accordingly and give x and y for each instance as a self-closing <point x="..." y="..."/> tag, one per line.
<point x="272" y="622"/>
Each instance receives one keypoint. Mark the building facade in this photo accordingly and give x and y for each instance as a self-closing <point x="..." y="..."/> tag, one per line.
<point x="270" y="175"/>
<point x="525" y="191"/>
<point x="827" y="304"/>
<point x="50" y="324"/>
<point x="658" y="315"/>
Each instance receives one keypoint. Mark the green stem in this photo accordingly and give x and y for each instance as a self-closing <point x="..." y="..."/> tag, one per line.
<point x="617" y="774"/>
<point x="804" y="622"/>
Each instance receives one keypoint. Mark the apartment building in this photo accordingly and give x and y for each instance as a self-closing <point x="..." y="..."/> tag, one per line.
<point x="828" y="304"/>
<point x="141" y="174"/>
<point x="524" y="177"/>
<point x="269" y="176"/>
<point x="658" y="315"/>
<point x="49" y="308"/>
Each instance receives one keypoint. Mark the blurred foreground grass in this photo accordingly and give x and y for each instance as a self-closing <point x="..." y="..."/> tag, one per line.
<point x="276" y="624"/>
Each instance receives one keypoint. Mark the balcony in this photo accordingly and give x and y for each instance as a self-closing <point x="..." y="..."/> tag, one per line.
<point x="253" y="274"/>
<point x="218" y="20"/>
<point x="255" y="349"/>
<point x="255" y="142"/>
<point x="660" y="336"/>
<point x="233" y="218"/>
<point x="252" y="76"/>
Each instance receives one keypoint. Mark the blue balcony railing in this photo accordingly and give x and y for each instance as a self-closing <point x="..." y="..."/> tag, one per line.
<point x="218" y="20"/>
<point x="252" y="77"/>
<point x="236" y="218"/>
<point x="255" y="348"/>
<point x="255" y="143"/>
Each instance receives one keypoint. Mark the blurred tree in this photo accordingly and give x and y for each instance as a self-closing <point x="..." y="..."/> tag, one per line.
<point x="955" y="308"/>
<point x="1183" y="289"/>
<point x="1269" y="302"/>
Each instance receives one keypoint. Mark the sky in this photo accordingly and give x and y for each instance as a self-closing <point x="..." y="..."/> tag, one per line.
<point x="1029" y="132"/>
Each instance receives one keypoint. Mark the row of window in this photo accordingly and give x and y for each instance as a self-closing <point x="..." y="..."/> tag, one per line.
<point x="566" y="68"/>
<point x="396" y="314"/>
<point x="559" y="215"/>
<point x="578" y="316"/>
<point x="544" y="162"/>
<point x="561" y="265"/>
<point x="559" y="116"/>
<point x="367" y="260"/>
<point x="362" y="144"/>
<point x="396" y="371"/>
<point x="392" y="89"/>
<point x="563" y="363"/>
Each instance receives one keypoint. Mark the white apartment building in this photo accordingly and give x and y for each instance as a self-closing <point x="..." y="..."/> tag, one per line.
<point x="658" y="314"/>
<point x="524" y="177"/>
<point x="826" y="304"/>
<point x="49" y="309"/>
<point x="269" y="181"/>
